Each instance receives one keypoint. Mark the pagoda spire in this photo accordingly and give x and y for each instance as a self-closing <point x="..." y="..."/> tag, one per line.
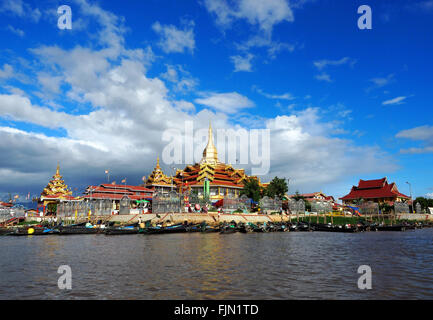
<point x="210" y="153"/>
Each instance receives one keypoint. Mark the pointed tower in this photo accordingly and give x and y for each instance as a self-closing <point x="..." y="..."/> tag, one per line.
<point x="210" y="153"/>
<point x="158" y="180"/>
<point x="56" y="186"/>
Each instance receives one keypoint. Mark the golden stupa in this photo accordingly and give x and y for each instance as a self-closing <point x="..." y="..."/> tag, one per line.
<point x="56" y="187"/>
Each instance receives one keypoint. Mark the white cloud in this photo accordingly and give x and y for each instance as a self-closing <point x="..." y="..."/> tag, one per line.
<point x="324" y="77"/>
<point x="322" y="64"/>
<point x="423" y="133"/>
<point x="264" y="14"/>
<point x="225" y="102"/>
<point x="174" y="39"/>
<point x="16" y="31"/>
<point x="284" y="96"/>
<point x="395" y="101"/>
<point x="180" y="78"/>
<point x="20" y="9"/>
<point x="6" y="71"/>
<point x="242" y="63"/>
<point x="382" y="81"/>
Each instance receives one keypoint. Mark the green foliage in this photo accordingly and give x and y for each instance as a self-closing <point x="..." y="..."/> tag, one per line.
<point x="252" y="189"/>
<point x="424" y="202"/>
<point x="277" y="187"/>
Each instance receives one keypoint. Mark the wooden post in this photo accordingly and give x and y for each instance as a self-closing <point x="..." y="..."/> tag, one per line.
<point x="324" y="215"/>
<point x="332" y="219"/>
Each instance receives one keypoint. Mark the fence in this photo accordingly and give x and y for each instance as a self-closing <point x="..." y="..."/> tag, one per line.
<point x="296" y="206"/>
<point x="369" y="208"/>
<point x="321" y="207"/>
<point x="8" y="213"/>
<point x="269" y="204"/>
<point x="401" y="208"/>
<point x="167" y="202"/>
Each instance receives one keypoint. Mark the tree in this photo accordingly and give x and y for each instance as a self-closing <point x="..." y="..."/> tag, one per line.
<point x="424" y="202"/>
<point x="252" y="189"/>
<point x="298" y="196"/>
<point x="277" y="187"/>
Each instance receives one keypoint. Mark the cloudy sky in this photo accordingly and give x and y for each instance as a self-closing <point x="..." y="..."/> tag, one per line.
<point x="340" y="103"/>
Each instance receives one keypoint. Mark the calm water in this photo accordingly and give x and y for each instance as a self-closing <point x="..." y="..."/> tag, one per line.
<point x="212" y="266"/>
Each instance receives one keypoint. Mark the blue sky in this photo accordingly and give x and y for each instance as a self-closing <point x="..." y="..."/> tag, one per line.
<point x="341" y="103"/>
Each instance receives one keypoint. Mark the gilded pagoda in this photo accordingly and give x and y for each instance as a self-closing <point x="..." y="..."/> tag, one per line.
<point x="158" y="181"/>
<point x="56" y="190"/>
<point x="224" y="180"/>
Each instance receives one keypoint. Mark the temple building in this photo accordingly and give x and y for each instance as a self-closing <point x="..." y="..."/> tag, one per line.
<point x="158" y="181"/>
<point x="378" y="190"/>
<point x="222" y="179"/>
<point x="55" y="191"/>
<point x="116" y="192"/>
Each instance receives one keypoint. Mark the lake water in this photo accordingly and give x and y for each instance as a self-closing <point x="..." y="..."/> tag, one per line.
<point x="293" y="265"/>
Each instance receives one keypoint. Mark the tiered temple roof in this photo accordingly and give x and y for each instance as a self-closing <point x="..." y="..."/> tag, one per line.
<point x="218" y="174"/>
<point x="158" y="178"/>
<point x="56" y="188"/>
<point x="375" y="189"/>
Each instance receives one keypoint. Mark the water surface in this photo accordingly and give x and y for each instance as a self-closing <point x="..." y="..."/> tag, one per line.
<point x="293" y="265"/>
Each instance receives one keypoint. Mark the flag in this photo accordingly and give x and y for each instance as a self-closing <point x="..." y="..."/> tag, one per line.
<point x="124" y="180"/>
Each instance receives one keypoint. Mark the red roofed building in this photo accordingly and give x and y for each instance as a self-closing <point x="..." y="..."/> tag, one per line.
<point x="117" y="192"/>
<point x="378" y="190"/>
<point x="315" y="196"/>
<point x="6" y="204"/>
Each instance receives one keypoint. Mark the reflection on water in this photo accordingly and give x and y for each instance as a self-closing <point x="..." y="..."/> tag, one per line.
<point x="212" y="266"/>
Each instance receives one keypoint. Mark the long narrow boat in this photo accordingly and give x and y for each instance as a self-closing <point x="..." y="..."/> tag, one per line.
<point x="391" y="228"/>
<point x="228" y="229"/>
<point x="121" y="230"/>
<point x="78" y="230"/>
<point x="178" y="228"/>
<point x="32" y="231"/>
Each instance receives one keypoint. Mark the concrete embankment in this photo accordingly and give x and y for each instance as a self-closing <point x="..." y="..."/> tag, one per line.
<point x="200" y="217"/>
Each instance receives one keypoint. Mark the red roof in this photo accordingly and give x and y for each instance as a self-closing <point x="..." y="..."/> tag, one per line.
<point x="373" y="189"/>
<point x="6" y="204"/>
<point x="368" y="184"/>
<point x="117" y="196"/>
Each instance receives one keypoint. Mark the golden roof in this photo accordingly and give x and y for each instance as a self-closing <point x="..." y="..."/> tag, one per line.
<point x="158" y="177"/>
<point x="56" y="186"/>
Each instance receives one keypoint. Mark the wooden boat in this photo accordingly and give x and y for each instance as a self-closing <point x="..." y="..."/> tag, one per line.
<point x="210" y="229"/>
<point x="391" y="228"/>
<point x="32" y="231"/>
<point x="334" y="228"/>
<point x="78" y="230"/>
<point x="120" y="231"/>
<point x="178" y="228"/>
<point x="4" y="231"/>
<point x="228" y="229"/>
